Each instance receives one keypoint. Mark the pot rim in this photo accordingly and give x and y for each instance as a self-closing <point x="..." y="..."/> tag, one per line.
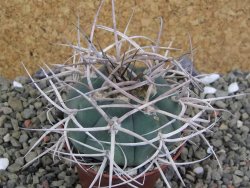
<point x="154" y="171"/>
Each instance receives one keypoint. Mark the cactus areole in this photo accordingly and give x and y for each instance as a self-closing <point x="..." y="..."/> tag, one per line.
<point x="141" y="122"/>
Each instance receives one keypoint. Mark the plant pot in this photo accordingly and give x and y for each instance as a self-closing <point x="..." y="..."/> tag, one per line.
<point x="87" y="175"/>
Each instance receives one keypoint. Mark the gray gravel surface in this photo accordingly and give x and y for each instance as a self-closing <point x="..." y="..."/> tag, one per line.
<point x="20" y="107"/>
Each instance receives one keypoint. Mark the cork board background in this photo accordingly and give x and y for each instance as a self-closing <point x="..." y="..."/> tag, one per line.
<point x="219" y="29"/>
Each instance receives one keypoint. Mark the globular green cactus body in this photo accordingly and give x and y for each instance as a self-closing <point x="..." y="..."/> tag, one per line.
<point x="140" y="123"/>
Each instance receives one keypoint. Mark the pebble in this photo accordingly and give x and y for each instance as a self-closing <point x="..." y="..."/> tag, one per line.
<point x="239" y="173"/>
<point x="221" y="93"/>
<point x="15" y="104"/>
<point x="209" y="90"/>
<point x="12" y="176"/>
<point x="17" y="84"/>
<point x="223" y="126"/>
<point x="235" y="106"/>
<point x="57" y="183"/>
<point x="32" y="141"/>
<point x="6" y="110"/>
<point x="46" y="160"/>
<point x="14" y="142"/>
<point x="208" y="173"/>
<point x="234" y="146"/>
<point x="184" y="154"/>
<point x="33" y="92"/>
<point x="14" y="167"/>
<point x="216" y="142"/>
<point x="246" y="178"/>
<point x="220" y="104"/>
<point x="227" y="138"/>
<point x="6" y="138"/>
<point x="239" y="123"/>
<point x="200" y="153"/>
<point x="42" y="117"/>
<point x="16" y="134"/>
<point x="61" y="175"/>
<point x="227" y="178"/>
<point x="216" y="175"/>
<point x="233" y="87"/>
<point x="209" y="78"/>
<point x="27" y="123"/>
<point x="28" y="113"/>
<point x="189" y="177"/>
<point x="199" y="170"/>
<point x="3" y="131"/>
<point x="19" y="116"/>
<point x="69" y="179"/>
<point x="78" y="186"/>
<point x="245" y="116"/>
<point x="20" y="161"/>
<point x="14" y="124"/>
<point x="2" y="120"/>
<point x="2" y="150"/>
<point x="11" y="184"/>
<point x="4" y="163"/>
<point x="30" y="156"/>
<point x="38" y="105"/>
<point x="35" y="180"/>
<point x="244" y="129"/>
<point x="42" y="171"/>
<point x="23" y="138"/>
<point x="236" y="180"/>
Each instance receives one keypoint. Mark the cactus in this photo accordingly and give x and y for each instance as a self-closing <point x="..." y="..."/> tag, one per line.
<point x="124" y="110"/>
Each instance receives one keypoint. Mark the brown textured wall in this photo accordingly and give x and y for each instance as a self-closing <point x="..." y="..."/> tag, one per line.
<point x="219" y="29"/>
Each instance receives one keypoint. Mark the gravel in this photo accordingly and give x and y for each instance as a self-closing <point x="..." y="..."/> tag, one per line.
<point x="21" y="107"/>
<point x="230" y="140"/>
